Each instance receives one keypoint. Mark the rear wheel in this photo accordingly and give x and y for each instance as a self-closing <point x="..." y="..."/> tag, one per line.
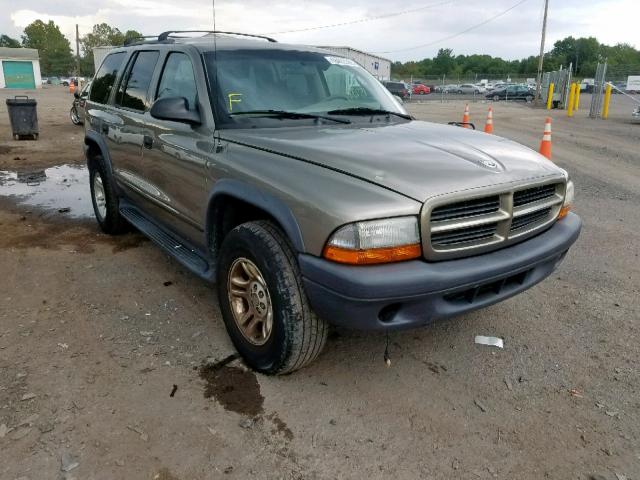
<point x="263" y="303"/>
<point x="529" y="98"/>
<point x="496" y="98"/>
<point x="73" y="114"/>
<point x="104" y="198"/>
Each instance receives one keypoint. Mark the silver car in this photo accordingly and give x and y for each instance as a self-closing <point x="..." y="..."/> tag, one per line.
<point x="294" y="181"/>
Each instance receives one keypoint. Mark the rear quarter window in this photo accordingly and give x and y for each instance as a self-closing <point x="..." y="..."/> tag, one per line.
<point x="106" y="77"/>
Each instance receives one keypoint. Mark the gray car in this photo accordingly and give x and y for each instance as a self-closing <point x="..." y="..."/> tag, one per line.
<point x="293" y="180"/>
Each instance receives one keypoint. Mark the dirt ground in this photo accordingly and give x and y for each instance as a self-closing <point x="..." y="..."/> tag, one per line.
<point x="114" y="361"/>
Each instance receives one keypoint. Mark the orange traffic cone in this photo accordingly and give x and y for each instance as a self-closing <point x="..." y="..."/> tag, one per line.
<point x="488" y="128"/>
<point x="72" y="87"/>
<point x="545" y="145"/>
<point x="465" y="117"/>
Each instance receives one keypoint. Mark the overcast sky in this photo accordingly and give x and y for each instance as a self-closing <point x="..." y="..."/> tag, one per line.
<point x="513" y="35"/>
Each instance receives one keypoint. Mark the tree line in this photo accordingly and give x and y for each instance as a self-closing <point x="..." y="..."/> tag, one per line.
<point x="57" y="58"/>
<point x="583" y="53"/>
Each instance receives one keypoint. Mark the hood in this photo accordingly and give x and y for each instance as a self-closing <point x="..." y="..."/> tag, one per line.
<point x="417" y="159"/>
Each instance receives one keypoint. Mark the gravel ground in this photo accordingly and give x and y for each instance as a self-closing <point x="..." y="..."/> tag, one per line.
<point x="114" y="360"/>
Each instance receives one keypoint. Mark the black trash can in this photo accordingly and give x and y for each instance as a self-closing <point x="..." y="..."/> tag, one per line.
<point x="23" y="117"/>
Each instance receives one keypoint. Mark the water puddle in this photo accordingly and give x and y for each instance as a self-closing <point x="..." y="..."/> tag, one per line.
<point x="64" y="188"/>
<point x="235" y="389"/>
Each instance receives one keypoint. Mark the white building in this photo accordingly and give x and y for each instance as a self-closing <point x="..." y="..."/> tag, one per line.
<point x="379" y="67"/>
<point x="19" y="68"/>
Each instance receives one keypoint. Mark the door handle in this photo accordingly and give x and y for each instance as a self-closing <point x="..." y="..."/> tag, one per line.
<point x="147" y="141"/>
<point x="105" y="128"/>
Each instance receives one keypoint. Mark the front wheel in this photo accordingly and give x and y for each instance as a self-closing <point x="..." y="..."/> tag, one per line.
<point x="496" y="98"/>
<point x="263" y="303"/>
<point x="529" y="98"/>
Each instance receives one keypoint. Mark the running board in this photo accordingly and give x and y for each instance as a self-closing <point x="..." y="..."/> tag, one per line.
<point x="187" y="256"/>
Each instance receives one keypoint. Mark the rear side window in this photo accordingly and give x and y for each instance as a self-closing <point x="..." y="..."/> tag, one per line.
<point x="106" y="77"/>
<point x="178" y="79"/>
<point x="134" y="87"/>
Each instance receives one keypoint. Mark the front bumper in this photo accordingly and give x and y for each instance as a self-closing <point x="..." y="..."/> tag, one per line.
<point x="415" y="293"/>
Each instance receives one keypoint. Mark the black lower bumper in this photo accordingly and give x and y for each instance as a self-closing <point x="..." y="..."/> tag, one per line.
<point x="411" y="294"/>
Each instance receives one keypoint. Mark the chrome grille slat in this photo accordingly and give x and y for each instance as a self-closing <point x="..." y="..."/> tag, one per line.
<point x="466" y="209"/>
<point x="464" y="235"/>
<point x="529" y="195"/>
<point x="529" y="218"/>
<point x="466" y="226"/>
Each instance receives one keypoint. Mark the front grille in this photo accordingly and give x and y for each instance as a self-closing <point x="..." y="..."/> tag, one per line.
<point x="469" y="234"/>
<point x="529" y="218"/>
<point x="534" y="194"/>
<point x="458" y="227"/>
<point x="467" y="208"/>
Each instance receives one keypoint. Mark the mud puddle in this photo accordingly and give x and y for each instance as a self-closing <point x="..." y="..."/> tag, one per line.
<point x="64" y="188"/>
<point x="234" y="388"/>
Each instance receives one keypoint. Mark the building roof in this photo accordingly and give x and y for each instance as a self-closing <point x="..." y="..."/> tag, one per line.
<point x="329" y="47"/>
<point x="7" y="53"/>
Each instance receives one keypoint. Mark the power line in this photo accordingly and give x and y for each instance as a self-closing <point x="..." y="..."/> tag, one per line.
<point x="455" y="35"/>
<point x="366" y="19"/>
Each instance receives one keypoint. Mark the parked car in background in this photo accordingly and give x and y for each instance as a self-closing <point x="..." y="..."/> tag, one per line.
<point x="468" y="88"/>
<point x="511" y="92"/>
<point x="397" y="88"/>
<point x="77" y="112"/>
<point x="420" y="89"/>
<point x="635" y="116"/>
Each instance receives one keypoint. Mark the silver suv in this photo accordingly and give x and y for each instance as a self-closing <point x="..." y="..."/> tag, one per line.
<point x="292" y="179"/>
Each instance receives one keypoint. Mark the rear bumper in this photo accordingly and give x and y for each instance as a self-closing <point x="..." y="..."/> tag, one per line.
<point x="411" y="294"/>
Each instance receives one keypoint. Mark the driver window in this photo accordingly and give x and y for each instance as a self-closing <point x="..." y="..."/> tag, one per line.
<point x="178" y="79"/>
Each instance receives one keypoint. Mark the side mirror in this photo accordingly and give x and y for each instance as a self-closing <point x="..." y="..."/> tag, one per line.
<point x="174" y="109"/>
<point x="76" y="94"/>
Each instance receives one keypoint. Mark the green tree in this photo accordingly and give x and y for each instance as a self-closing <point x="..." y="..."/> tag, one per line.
<point x="101" y="35"/>
<point x="7" y="41"/>
<point x="53" y="47"/>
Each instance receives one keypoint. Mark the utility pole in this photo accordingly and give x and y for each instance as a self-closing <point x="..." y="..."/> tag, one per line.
<point x="77" y="51"/>
<point x="541" y="59"/>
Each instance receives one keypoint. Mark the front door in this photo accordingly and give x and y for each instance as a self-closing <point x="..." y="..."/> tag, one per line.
<point x="175" y="155"/>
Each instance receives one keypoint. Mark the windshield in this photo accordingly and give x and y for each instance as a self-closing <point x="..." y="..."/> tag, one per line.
<point x="291" y="81"/>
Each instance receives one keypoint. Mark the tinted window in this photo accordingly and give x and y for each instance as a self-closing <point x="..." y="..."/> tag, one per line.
<point x="133" y="89"/>
<point x="106" y="77"/>
<point x="178" y="79"/>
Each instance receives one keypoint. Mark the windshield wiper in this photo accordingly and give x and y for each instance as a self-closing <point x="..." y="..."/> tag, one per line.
<point x="368" y="111"/>
<point x="287" y="114"/>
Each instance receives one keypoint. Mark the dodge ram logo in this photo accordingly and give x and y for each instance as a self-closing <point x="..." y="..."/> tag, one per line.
<point x="489" y="163"/>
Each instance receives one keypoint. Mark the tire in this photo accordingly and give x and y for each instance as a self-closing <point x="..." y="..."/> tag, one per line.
<point x="105" y="206"/>
<point x="297" y="335"/>
<point x="73" y="114"/>
<point x="528" y="98"/>
<point x="496" y="98"/>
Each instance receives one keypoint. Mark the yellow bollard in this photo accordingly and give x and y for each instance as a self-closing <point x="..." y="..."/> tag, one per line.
<point x="607" y="99"/>
<point x="550" y="96"/>
<point x="576" y="102"/>
<point x="572" y="96"/>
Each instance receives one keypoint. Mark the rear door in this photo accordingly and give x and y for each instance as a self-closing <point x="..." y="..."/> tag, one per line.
<point x="126" y="135"/>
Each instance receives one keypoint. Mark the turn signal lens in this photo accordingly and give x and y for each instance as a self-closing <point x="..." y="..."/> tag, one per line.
<point x="375" y="241"/>
<point x="568" y="200"/>
<point x="372" y="256"/>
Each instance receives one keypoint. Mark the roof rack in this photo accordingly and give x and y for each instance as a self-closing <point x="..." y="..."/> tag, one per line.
<point x="164" y="36"/>
<point x="137" y="39"/>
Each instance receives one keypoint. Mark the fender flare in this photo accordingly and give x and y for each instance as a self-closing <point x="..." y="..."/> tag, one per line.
<point x="260" y="199"/>
<point x="94" y="137"/>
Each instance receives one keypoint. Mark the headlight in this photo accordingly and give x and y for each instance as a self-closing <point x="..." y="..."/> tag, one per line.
<point x="568" y="200"/>
<point x="375" y="241"/>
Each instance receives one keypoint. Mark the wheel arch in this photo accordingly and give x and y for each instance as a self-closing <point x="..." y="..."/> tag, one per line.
<point x="248" y="203"/>
<point x="94" y="144"/>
